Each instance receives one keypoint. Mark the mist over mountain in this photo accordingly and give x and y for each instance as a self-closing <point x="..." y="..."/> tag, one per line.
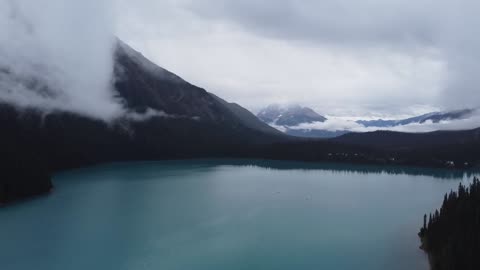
<point x="435" y="117"/>
<point x="297" y="123"/>
<point x="291" y="115"/>
<point x="163" y="117"/>
<point x="58" y="57"/>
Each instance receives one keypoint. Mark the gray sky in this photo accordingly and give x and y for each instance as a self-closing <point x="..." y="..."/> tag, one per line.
<point x="371" y="58"/>
<point x="344" y="58"/>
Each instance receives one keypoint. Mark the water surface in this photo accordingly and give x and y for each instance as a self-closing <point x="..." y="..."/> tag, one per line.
<point x="208" y="214"/>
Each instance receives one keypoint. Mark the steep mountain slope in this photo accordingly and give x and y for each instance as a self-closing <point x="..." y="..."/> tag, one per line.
<point x="168" y="118"/>
<point x="143" y="86"/>
<point x="248" y="118"/>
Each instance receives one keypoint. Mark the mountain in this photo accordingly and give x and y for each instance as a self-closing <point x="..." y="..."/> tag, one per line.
<point x="289" y="115"/>
<point x="168" y="118"/>
<point x="435" y="117"/>
<point x="287" y="118"/>
<point x="145" y="86"/>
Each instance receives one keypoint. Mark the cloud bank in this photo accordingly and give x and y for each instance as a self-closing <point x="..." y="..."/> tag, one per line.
<point x="58" y="55"/>
<point x="341" y="124"/>
<point x="410" y="27"/>
<point x="377" y="58"/>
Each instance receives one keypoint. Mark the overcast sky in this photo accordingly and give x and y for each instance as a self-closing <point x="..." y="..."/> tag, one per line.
<point x="370" y="58"/>
<point x="344" y="58"/>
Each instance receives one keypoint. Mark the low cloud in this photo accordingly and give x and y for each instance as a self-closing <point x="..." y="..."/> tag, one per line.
<point x="58" y="55"/>
<point x="340" y="124"/>
<point x="149" y="114"/>
<point x="344" y="58"/>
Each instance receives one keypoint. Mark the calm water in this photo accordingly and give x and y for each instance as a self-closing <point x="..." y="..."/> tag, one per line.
<point x="225" y="215"/>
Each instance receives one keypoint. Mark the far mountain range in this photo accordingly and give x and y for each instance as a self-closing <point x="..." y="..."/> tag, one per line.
<point x="291" y="119"/>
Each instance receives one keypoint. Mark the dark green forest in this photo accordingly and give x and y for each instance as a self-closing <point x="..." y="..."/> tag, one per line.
<point x="451" y="235"/>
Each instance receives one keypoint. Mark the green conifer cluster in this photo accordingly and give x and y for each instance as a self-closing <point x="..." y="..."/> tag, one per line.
<point x="451" y="235"/>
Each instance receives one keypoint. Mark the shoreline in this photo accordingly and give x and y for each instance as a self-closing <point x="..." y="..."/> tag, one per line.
<point x="315" y="164"/>
<point x="428" y="253"/>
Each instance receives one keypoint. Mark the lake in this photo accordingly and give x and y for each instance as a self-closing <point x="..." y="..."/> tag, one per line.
<point x="230" y="214"/>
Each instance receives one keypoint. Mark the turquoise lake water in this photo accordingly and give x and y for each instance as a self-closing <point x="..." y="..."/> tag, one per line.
<point x="229" y="215"/>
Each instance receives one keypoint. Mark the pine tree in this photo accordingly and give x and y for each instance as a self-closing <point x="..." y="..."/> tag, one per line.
<point x="452" y="235"/>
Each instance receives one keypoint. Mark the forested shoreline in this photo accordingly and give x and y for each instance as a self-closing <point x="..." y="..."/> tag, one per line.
<point x="451" y="235"/>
